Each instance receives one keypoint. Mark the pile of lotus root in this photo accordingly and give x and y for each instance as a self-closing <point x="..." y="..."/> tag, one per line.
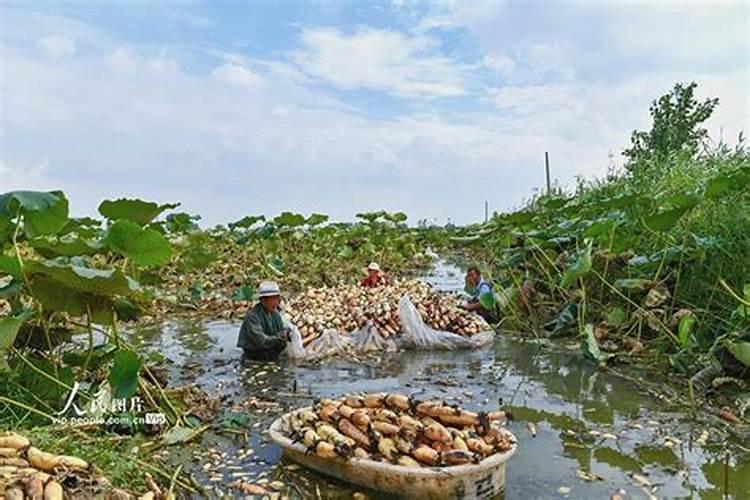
<point x="26" y="472"/>
<point x="400" y="430"/>
<point x="346" y="308"/>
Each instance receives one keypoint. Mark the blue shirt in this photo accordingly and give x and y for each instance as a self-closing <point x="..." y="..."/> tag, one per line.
<point x="482" y="288"/>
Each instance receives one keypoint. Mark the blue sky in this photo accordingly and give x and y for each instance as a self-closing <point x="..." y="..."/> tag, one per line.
<point x="236" y="108"/>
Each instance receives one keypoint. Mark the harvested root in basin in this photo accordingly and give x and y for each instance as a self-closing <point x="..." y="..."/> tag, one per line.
<point x="395" y="429"/>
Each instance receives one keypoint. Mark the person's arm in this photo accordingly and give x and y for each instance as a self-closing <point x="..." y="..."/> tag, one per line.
<point x="255" y="338"/>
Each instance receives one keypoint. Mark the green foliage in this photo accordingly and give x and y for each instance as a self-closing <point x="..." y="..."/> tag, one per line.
<point x="289" y="219"/>
<point x="579" y="267"/>
<point x="564" y="322"/>
<point x="741" y="351"/>
<point x="145" y="247"/>
<point x="743" y="310"/>
<point x="246" y="222"/>
<point x="685" y="329"/>
<point x="616" y="316"/>
<point x="663" y="221"/>
<point x="316" y="219"/>
<point x="134" y="210"/>
<point x="8" y="330"/>
<point x="65" y="245"/>
<point x="632" y="251"/>
<point x="181" y="222"/>
<point x="54" y="269"/>
<point x="245" y="292"/>
<point x="10" y="265"/>
<point x="74" y="274"/>
<point x="123" y="377"/>
<point x="53" y="296"/>
<point x="677" y="117"/>
<point x="42" y="213"/>
<point x="276" y="265"/>
<point x="487" y="301"/>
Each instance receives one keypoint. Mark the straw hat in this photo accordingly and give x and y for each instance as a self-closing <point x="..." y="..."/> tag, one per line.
<point x="268" y="289"/>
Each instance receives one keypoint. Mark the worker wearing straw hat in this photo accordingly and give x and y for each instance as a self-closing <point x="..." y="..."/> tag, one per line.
<point x="263" y="335"/>
<point x="375" y="276"/>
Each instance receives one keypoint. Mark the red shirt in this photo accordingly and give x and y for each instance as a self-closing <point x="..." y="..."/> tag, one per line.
<point x="373" y="282"/>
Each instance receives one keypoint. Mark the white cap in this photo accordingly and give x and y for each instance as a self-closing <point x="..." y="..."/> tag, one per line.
<point x="268" y="289"/>
<point x="374" y="266"/>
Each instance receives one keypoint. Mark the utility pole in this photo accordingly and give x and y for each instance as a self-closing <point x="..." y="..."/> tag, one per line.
<point x="486" y="211"/>
<point x="546" y="168"/>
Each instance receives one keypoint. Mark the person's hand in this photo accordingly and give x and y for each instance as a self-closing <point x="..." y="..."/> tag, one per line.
<point x="286" y="333"/>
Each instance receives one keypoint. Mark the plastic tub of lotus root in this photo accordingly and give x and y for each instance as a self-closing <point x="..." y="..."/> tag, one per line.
<point x="483" y="480"/>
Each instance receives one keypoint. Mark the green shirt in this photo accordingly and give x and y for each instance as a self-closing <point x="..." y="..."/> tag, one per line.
<point x="261" y="330"/>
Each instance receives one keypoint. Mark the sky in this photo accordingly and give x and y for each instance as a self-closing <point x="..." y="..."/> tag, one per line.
<point x="336" y="106"/>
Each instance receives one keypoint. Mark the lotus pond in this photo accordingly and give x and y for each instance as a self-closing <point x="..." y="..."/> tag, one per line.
<point x="582" y="432"/>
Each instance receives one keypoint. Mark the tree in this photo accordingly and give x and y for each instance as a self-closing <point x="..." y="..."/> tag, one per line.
<point x="676" y="116"/>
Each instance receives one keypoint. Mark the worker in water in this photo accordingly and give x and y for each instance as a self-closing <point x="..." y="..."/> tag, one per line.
<point x="375" y="277"/>
<point x="263" y="335"/>
<point x="477" y="287"/>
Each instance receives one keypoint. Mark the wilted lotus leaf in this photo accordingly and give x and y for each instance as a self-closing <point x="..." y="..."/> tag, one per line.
<point x="656" y="296"/>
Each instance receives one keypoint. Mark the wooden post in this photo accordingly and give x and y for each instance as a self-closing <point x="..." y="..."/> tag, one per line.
<point x="546" y="168"/>
<point x="486" y="211"/>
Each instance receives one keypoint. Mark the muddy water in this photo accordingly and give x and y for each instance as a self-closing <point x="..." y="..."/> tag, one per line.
<point x="582" y="432"/>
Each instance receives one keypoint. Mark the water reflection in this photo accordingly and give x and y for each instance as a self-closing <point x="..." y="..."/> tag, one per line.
<point x="589" y="423"/>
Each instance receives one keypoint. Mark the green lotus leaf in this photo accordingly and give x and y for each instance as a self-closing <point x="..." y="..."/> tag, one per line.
<point x="134" y="210"/>
<point x="276" y="265"/>
<point x="246" y="222"/>
<point x="580" y="266"/>
<point x="741" y="351"/>
<point x="665" y="220"/>
<point x="396" y="217"/>
<point x="728" y="182"/>
<point x="56" y="297"/>
<point x="563" y="324"/>
<point x="685" y="329"/>
<point x="9" y="327"/>
<point x="289" y="219"/>
<point x="182" y="222"/>
<point x="316" y="219"/>
<point x="145" y="247"/>
<point x="77" y="277"/>
<point x="67" y="245"/>
<point x="42" y="212"/>
<point x="123" y="376"/>
<point x="9" y="265"/>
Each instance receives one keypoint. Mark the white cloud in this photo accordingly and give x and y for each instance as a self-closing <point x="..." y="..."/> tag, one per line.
<point x="225" y="153"/>
<point x="502" y="65"/>
<point x="537" y="99"/>
<point x="122" y="60"/>
<point x="163" y="65"/>
<point x="158" y="129"/>
<point x="57" y="46"/>
<point x="16" y="176"/>
<point x="237" y="75"/>
<point x="389" y="61"/>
